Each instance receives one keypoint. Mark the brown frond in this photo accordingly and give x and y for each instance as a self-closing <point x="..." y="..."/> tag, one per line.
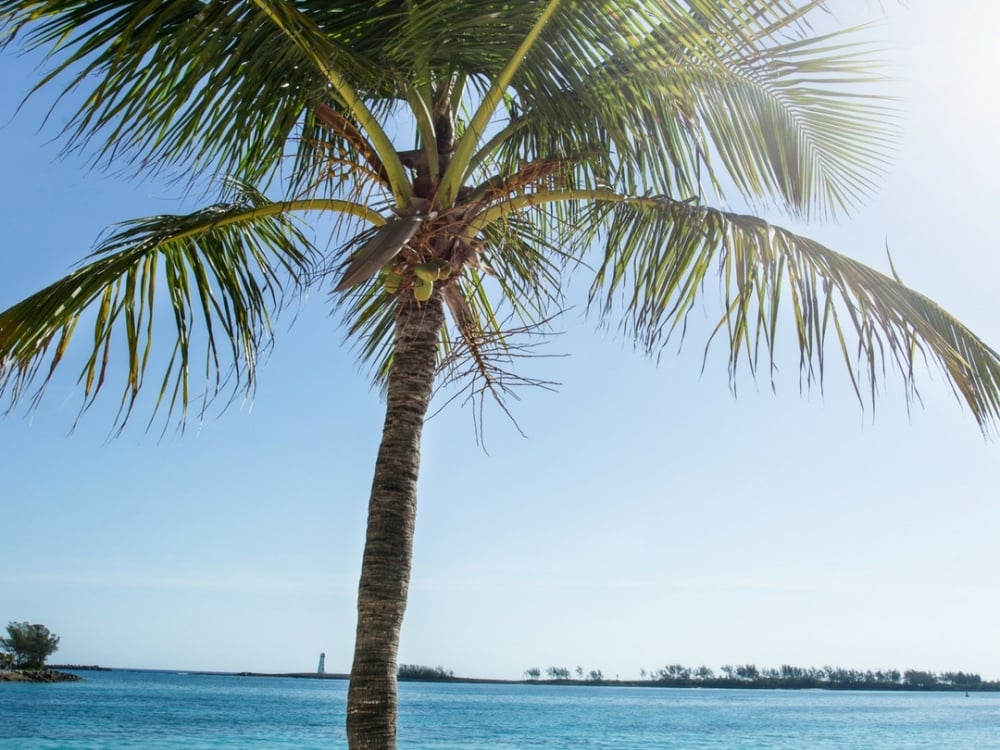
<point x="339" y="125"/>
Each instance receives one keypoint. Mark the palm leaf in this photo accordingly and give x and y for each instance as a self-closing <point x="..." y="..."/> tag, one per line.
<point x="659" y="253"/>
<point x="493" y="95"/>
<point x="324" y="55"/>
<point x="225" y="267"/>
<point x="370" y="318"/>
<point x="662" y="109"/>
<point x="384" y="244"/>
<point x="215" y="86"/>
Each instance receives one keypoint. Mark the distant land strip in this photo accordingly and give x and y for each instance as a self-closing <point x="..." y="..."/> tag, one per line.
<point x="743" y="676"/>
<point x="673" y="676"/>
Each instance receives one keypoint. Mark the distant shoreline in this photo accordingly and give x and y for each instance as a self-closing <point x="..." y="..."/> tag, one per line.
<point x="714" y="683"/>
<point x="52" y="674"/>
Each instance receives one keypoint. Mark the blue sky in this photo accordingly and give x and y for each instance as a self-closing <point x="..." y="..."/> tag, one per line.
<point x="647" y="517"/>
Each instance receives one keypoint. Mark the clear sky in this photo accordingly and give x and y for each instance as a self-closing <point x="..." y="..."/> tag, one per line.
<point x="647" y="517"/>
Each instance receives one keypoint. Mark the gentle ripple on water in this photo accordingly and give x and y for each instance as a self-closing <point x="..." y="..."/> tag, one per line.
<point x="166" y="711"/>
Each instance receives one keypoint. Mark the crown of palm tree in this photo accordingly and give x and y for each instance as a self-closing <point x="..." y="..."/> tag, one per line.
<point x="546" y="135"/>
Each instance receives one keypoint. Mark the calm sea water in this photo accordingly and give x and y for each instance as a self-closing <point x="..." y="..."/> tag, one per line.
<point x="117" y="710"/>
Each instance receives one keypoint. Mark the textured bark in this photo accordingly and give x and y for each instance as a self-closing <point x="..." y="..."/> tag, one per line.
<point x="385" y="570"/>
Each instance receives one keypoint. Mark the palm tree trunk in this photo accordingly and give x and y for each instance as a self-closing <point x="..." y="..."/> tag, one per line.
<point x="385" y="570"/>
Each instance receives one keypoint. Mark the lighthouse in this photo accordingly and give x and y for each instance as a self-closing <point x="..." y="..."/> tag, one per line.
<point x="321" y="669"/>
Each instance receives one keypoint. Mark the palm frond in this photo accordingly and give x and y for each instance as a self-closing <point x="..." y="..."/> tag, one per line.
<point x="211" y="86"/>
<point x="480" y="366"/>
<point x="324" y="54"/>
<point x="458" y="168"/>
<point x="225" y="267"/>
<point x="679" y="101"/>
<point x="370" y="316"/>
<point x="525" y="264"/>
<point x="660" y="252"/>
<point x="384" y="244"/>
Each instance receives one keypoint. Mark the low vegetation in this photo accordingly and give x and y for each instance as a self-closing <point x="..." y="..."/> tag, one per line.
<point x="430" y="674"/>
<point x="740" y="676"/>
<point x="785" y="676"/>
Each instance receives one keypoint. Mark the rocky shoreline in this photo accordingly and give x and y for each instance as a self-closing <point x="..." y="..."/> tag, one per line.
<point x="36" y="675"/>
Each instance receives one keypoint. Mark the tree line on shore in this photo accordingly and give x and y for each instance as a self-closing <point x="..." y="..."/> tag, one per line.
<point x="785" y="676"/>
<point x="739" y="676"/>
<point x="419" y="672"/>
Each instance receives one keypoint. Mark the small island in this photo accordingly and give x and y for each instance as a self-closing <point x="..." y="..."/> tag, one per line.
<point x="24" y="651"/>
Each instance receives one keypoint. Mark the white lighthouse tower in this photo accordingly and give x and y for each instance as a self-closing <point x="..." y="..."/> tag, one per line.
<point x="321" y="669"/>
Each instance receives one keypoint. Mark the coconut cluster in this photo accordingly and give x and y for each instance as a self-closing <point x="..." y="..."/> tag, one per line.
<point x="424" y="276"/>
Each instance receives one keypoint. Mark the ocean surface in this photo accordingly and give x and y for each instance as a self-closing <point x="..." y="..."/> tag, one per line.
<point x="154" y="710"/>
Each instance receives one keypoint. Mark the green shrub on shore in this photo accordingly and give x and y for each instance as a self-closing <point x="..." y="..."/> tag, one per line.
<point x="27" y="646"/>
<point x="418" y="672"/>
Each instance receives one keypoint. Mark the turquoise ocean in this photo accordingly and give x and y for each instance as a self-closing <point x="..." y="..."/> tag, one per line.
<point x="158" y="710"/>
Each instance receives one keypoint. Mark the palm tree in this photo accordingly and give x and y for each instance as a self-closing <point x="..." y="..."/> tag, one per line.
<point x="591" y="137"/>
